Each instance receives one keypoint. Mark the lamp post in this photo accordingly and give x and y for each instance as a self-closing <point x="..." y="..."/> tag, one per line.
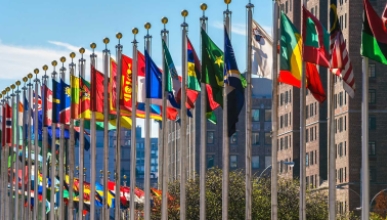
<point x="288" y="163"/>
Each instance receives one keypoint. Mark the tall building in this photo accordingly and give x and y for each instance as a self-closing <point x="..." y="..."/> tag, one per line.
<point x="347" y="114"/>
<point x="261" y="137"/>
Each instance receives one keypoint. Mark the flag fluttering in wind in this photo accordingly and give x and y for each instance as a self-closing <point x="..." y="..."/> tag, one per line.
<point x="262" y="56"/>
<point x="235" y="91"/>
<point x="75" y="95"/>
<point x="61" y="102"/>
<point x="340" y="63"/>
<point x="374" y="35"/>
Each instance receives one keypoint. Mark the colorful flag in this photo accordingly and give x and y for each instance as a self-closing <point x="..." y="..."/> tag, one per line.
<point x="61" y="102"/>
<point x="152" y="78"/>
<point x="374" y="35"/>
<point x="193" y="68"/>
<point x="110" y="197"/>
<point x="290" y="50"/>
<point x="97" y="90"/>
<point x="314" y="83"/>
<point x="235" y="93"/>
<point x="316" y="40"/>
<point x="262" y="55"/>
<point x="47" y="104"/>
<point x="75" y="95"/>
<point x="85" y="94"/>
<point x="8" y="125"/>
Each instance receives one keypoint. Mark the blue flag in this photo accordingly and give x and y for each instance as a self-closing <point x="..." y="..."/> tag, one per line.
<point x="235" y="95"/>
<point x="61" y="102"/>
<point x="152" y="78"/>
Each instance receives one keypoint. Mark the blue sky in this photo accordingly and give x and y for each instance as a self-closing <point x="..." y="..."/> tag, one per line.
<point x="34" y="33"/>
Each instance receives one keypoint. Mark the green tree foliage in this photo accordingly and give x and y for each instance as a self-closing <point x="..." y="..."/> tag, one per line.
<point x="288" y="193"/>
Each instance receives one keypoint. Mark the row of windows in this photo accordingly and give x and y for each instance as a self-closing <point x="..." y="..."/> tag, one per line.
<point x="284" y="143"/>
<point x="285" y="98"/>
<point x="311" y="134"/>
<point x="341" y="149"/>
<point x="234" y="161"/>
<point x="255" y="138"/>
<point x="341" y="124"/>
<point x="255" y="115"/>
<point x="311" y="181"/>
<point x="311" y="158"/>
<point x="340" y="99"/>
<point x="341" y="175"/>
<point x="285" y="120"/>
<point x="283" y="167"/>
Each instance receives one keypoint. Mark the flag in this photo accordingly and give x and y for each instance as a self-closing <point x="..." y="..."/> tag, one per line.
<point x="316" y="40"/>
<point x="84" y="93"/>
<point x="17" y="125"/>
<point x="290" y="53"/>
<point x="8" y="125"/>
<point x="156" y="103"/>
<point x="47" y="104"/>
<point x="152" y="78"/>
<point x="193" y="68"/>
<point x="97" y="90"/>
<point x="75" y="95"/>
<point x="314" y="83"/>
<point x="374" y="35"/>
<point x="110" y="197"/>
<point x="235" y="91"/>
<point x="173" y="82"/>
<point x="262" y="55"/>
<point x="61" y="102"/>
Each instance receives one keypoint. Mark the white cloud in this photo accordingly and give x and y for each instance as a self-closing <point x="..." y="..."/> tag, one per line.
<point x="236" y="28"/>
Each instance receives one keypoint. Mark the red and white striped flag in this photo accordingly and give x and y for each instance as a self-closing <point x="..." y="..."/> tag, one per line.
<point x="340" y="62"/>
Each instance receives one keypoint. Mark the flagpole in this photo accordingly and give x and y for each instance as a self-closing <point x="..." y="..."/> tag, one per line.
<point x="203" y="130"/>
<point x="72" y="146"/>
<point x="23" y="210"/>
<point x="274" y="116"/>
<point x="81" y="159"/>
<point x="44" y="146"/>
<point x="248" y="202"/>
<point x="29" y="213"/>
<point x="118" y="126"/>
<point x="302" y="206"/>
<point x="183" y="116"/>
<point x="148" y="41"/>
<point x="36" y="147"/>
<point x="61" y="154"/>
<point x="133" y="132"/>
<point x="53" y="154"/>
<point x="7" y="153"/>
<point x="93" y="143"/>
<point x="365" y="180"/>
<point x="226" y="144"/>
<point x="163" y="152"/>
<point x="18" y="83"/>
<point x="12" y="153"/>
<point x="3" y="159"/>
<point x="105" y="57"/>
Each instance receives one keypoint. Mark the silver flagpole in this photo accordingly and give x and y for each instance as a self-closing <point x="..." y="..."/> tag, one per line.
<point x="71" y="159"/>
<point x="365" y="180"/>
<point x="226" y="143"/>
<point x="23" y="210"/>
<point x="248" y="96"/>
<point x="183" y="116"/>
<point x="147" y="214"/>
<point x="203" y="130"/>
<point x="106" y="57"/>
<point x="12" y="154"/>
<point x="61" y="154"/>
<point x="18" y="83"/>
<point x="133" y="132"/>
<point x="29" y="114"/>
<point x="36" y="147"/>
<point x="44" y="148"/>
<point x="7" y="154"/>
<point x="81" y="65"/>
<point x="53" y="155"/>
<point x="4" y="176"/>
<point x="274" y="108"/>
<point x="93" y="143"/>
<point x="163" y="152"/>
<point x="118" y="127"/>
<point x="302" y="206"/>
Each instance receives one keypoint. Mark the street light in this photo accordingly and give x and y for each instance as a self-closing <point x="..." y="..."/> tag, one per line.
<point x="288" y="163"/>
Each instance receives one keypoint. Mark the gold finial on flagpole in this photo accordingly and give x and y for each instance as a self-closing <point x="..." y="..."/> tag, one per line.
<point x="147" y="25"/>
<point x="227" y="2"/>
<point x="18" y="83"/>
<point x="106" y="40"/>
<point x="119" y="35"/>
<point x="63" y="59"/>
<point x="25" y="79"/>
<point x="203" y="6"/>
<point x="29" y="75"/>
<point x="164" y="20"/>
<point x="54" y="63"/>
<point x="82" y="50"/>
<point x="13" y="86"/>
<point x="93" y="46"/>
<point x="4" y="92"/>
<point x="45" y="67"/>
<point x="7" y="89"/>
<point x="135" y="31"/>
<point x="72" y="55"/>
<point x="184" y="13"/>
<point x="36" y="71"/>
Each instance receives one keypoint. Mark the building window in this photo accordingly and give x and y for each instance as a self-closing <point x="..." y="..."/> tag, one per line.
<point x="267" y="138"/>
<point x="281" y="121"/>
<point x="255" y="138"/>
<point x="307" y="159"/>
<point x="340" y="149"/>
<point x="372" y="148"/>
<point x="307" y="111"/>
<point x="372" y="123"/>
<point x="233" y="161"/>
<point x="311" y="134"/>
<point x="286" y="142"/>
<point x="286" y="120"/>
<point x="373" y="174"/>
<point x="371" y="70"/>
<point x="311" y="158"/>
<point x="255" y="162"/>
<point x="234" y="138"/>
<point x="210" y="161"/>
<point x="255" y="115"/>
<point x="311" y="110"/>
<point x="372" y="96"/>
<point x="267" y="115"/>
<point x="290" y="96"/>
<point x="335" y="100"/>
<point x="210" y="137"/>
<point x="306" y="135"/>
<point x="281" y="143"/>
<point x="286" y="97"/>
<point x="282" y="99"/>
<point x="286" y="7"/>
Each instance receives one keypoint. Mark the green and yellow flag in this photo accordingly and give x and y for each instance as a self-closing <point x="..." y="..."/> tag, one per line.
<point x="75" y="92"/>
